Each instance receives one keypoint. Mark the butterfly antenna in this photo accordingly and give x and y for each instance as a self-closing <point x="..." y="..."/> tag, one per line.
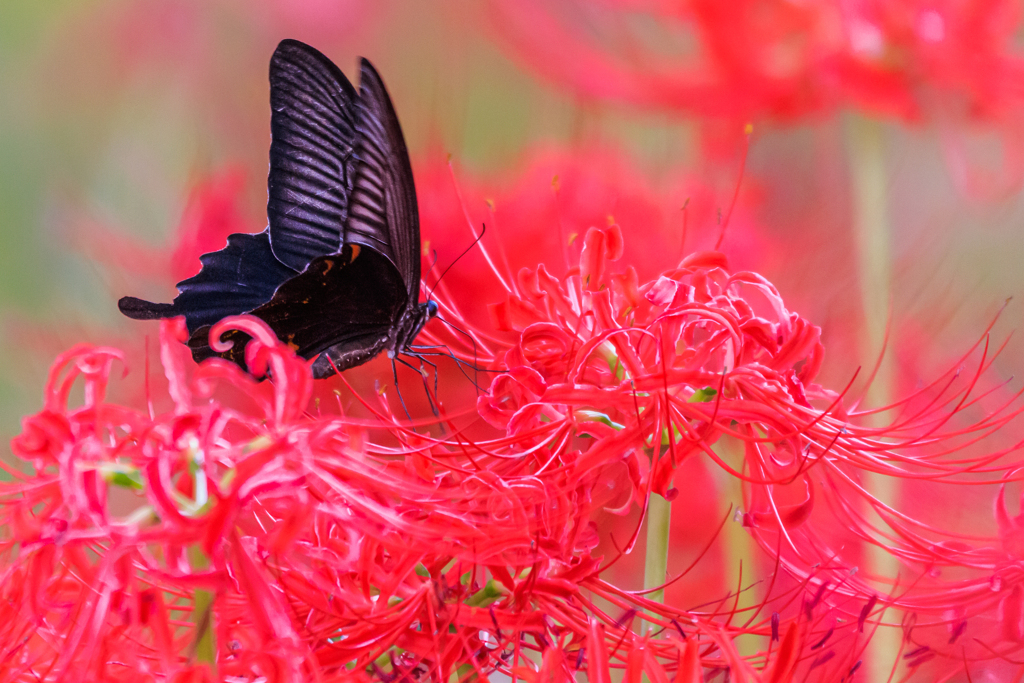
<point x="464" y="252"/>
<point x="433" y="264"/>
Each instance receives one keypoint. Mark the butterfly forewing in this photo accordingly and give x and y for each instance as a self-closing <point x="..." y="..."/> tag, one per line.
<point x="383" y="213"/>
<point x="313" y="129"/>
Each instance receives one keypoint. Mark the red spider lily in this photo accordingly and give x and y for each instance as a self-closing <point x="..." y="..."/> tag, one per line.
<point x="290" y="547"/>
<point x="268" y="542"/>
<point x="656" y="374"/>
<point x="541" y="212"/>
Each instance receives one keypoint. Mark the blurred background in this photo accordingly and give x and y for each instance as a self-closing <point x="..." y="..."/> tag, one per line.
<point x="122" y="122"/>
<point x="134" y="137"/>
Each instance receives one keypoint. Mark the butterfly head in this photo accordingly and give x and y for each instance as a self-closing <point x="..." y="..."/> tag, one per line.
<point x="409" y="325"/>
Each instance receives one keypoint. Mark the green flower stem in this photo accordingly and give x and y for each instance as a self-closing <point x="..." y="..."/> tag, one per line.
<point x="204" y="644"/>
<point x="659" y="517"/>
<point x="740" y="548"/>
<point x="866" y="152"/>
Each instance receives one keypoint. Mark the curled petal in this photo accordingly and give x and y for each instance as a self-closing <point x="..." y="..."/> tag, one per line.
<point x="1011" y="611"/>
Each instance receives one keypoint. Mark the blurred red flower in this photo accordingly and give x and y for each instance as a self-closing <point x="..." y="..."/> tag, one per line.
<point x="950" y="62"/>
<point x="749" y="60"/>
<point x="540" y="211"/>
<point x="211" y="213"/>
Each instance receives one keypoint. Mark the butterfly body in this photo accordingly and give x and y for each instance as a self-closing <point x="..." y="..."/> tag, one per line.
<point x="336" y="274"/>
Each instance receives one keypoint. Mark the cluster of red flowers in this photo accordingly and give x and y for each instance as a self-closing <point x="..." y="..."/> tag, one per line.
<point x="281" y="541"/>
<point x="239" y="529"/>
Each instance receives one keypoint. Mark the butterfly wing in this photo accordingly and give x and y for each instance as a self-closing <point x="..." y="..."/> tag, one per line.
<point x="313" y="129"/>
<point x="383" y="216"/>
<point x="346" y="301"/>
<point x="383" y="213"/>
<point x="340" y="264"/>
<point x="234" y="280"/>
<point x="313" y="112"/>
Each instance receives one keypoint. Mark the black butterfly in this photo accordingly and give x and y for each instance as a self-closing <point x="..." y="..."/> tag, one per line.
<point x="336" y="274"/>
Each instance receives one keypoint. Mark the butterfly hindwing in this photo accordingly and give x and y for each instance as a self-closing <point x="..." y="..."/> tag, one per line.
<point x="313" y="137"/>
<point x="346" y="300"/>
<point x="348" y="354"/>
<point x="234" y="280"/>
<point x="383" y="213"/>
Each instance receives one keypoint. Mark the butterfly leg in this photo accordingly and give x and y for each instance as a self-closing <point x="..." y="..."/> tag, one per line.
<point x="426" y="387"/>
<point x="461" y="365"/>
<point x="414" y="351"/>
<point x="472" y="341"/>
<point x="394" y="371"/>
